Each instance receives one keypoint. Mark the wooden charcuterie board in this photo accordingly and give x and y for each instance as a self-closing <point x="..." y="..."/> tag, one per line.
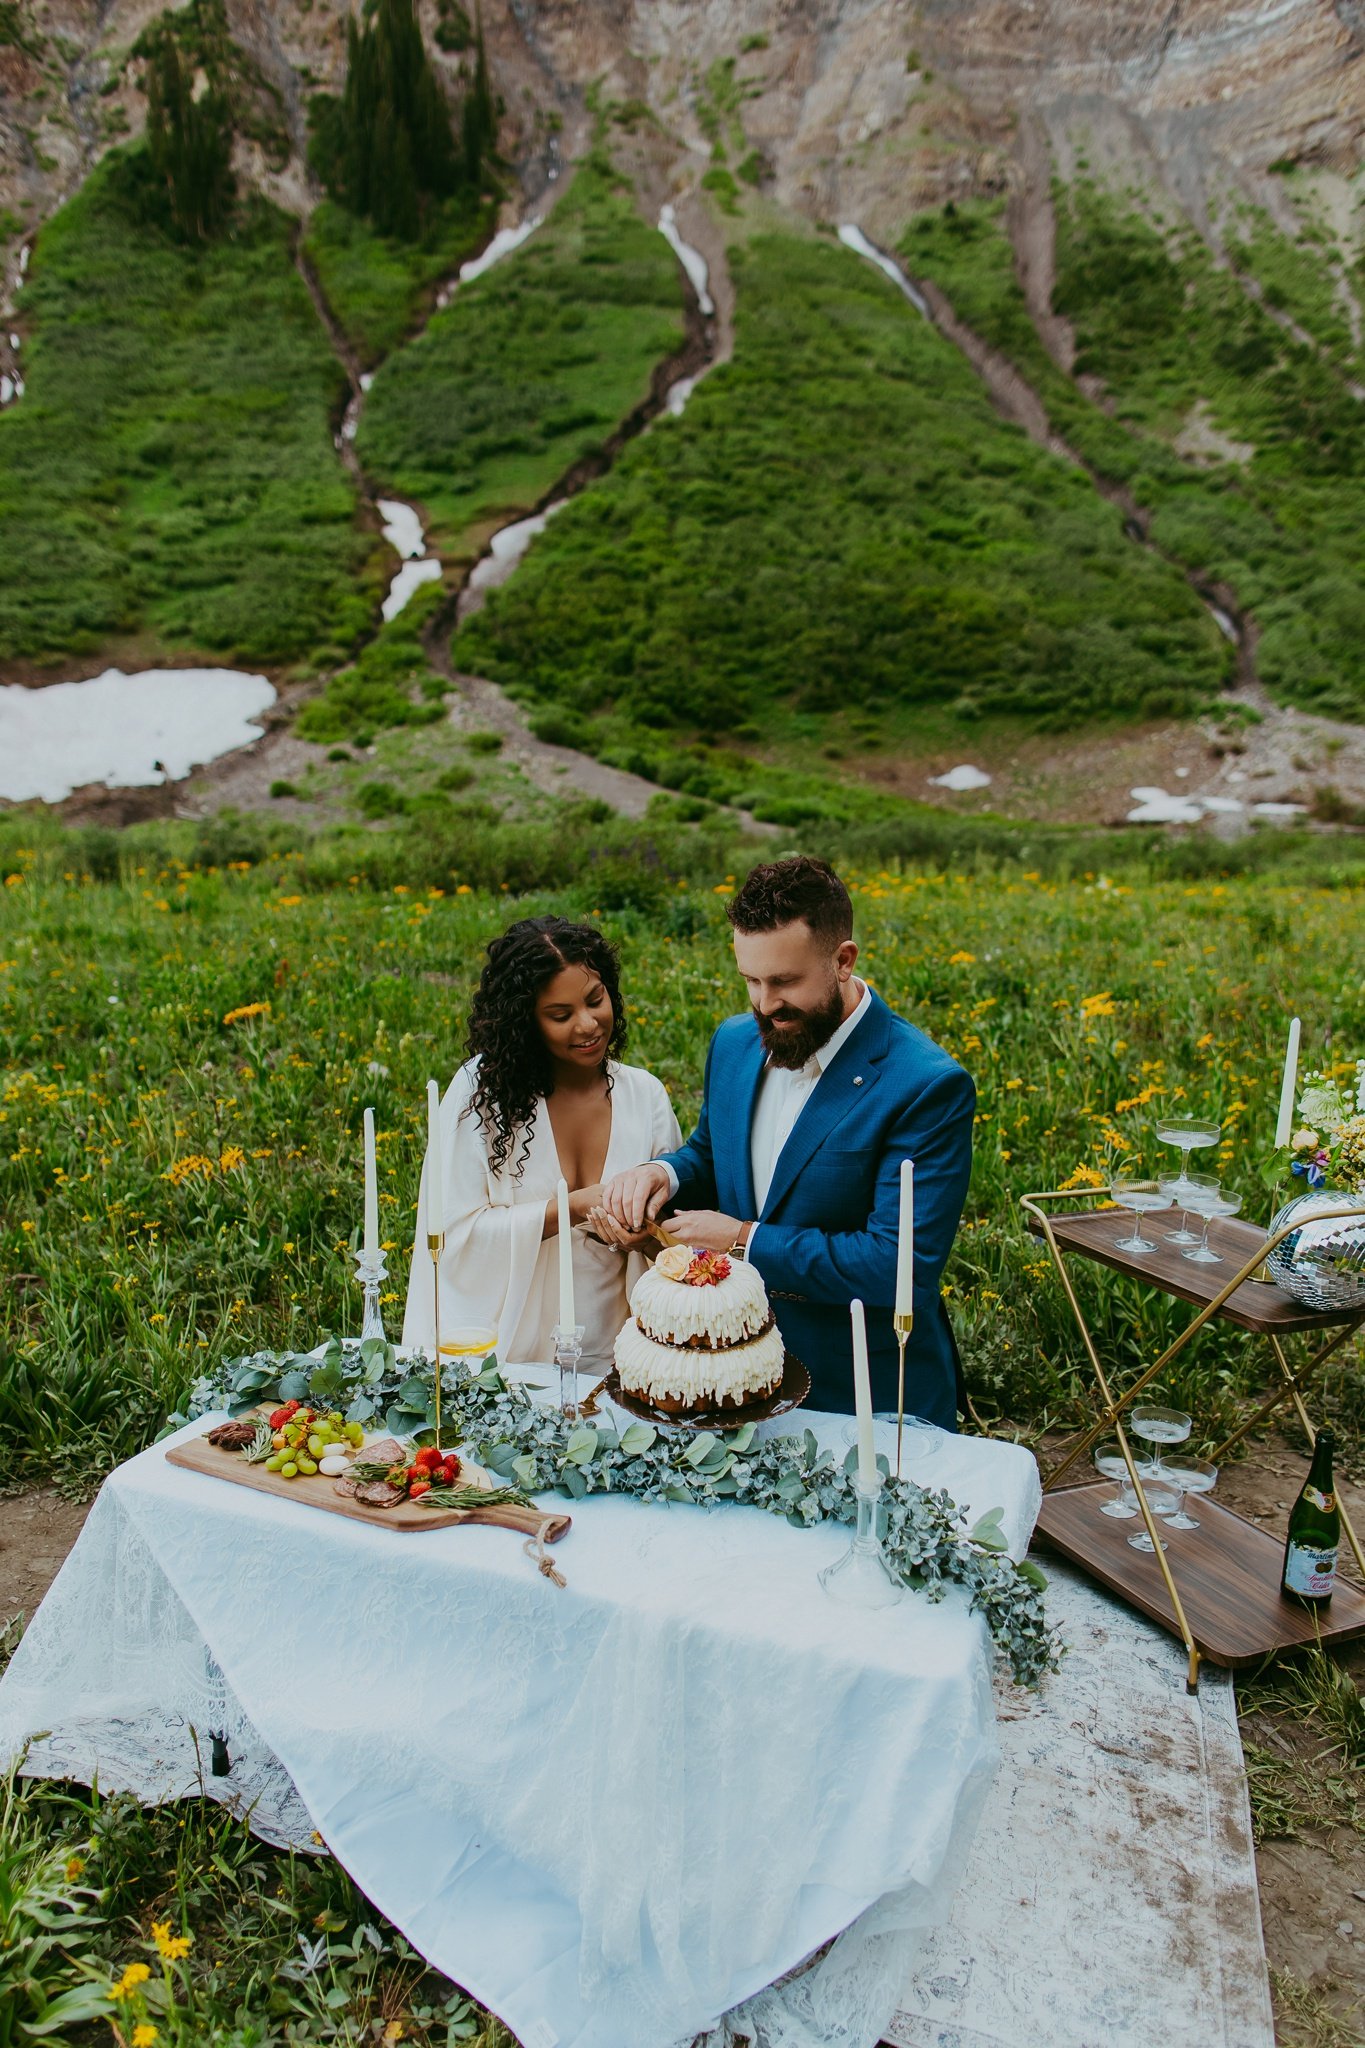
<point x="198" y="1455"/>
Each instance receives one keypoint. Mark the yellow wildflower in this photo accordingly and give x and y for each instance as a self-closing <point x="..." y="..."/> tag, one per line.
<point x="1084" y="1177"/>
<point x="135" y="1974"/>
<point x="231" y="1157"/>
<point x="172" y="1948"/>
<point x="144" y="2033"/>
<point x="962" y="959"/>
<point x="75" y="1868"/>
<point x="1102" y="1005"/>
<point x="246" y="1012"/>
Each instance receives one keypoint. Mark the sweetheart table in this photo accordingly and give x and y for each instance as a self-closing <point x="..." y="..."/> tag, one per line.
<point x="614" y="1811"/>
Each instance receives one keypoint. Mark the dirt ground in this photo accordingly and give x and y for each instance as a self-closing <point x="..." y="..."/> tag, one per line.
<point x="1312" y="1884"/>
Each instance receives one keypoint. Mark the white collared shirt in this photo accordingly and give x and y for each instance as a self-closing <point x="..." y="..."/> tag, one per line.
<point x="783" y="1093"/>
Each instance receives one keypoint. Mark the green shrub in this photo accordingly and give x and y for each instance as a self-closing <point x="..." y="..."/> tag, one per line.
<point x="380" y="800"/>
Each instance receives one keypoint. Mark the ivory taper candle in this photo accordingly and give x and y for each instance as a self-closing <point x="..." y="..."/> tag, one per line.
<point x="371" y="1192"/>
<point x="862" y="1400"/>
<point x="1285" y="1125"/>
<point x="567" y="1318"/>
<point x="905" y="1246"/>
<point x="435" y="1182"/>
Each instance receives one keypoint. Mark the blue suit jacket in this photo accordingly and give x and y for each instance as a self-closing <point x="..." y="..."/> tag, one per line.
<point x="829" y="1225"/>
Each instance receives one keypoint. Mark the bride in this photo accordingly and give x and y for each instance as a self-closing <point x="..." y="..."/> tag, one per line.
<point x="542" y="1094"/>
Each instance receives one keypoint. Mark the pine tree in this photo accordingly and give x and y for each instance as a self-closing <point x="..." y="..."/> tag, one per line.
<point x="189" y="142"/>
<point x="390" y="151"/>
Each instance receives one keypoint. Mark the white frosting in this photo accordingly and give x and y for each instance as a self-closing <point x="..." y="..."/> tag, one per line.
<point x="662" y="1372"/>
<point x="731" y="1312"/>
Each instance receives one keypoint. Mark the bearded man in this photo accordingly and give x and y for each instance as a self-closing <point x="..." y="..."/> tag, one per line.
<point x="812" y="1100"/>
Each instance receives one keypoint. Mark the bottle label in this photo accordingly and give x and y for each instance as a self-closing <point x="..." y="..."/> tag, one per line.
<point x="1327" y="1502"/>
<point x="1309" y="1570"/>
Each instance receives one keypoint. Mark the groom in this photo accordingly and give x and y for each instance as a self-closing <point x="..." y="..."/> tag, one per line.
<point x="812" y="1100"/>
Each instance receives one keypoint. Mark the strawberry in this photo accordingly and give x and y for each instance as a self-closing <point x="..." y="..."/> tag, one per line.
<point x="450" y="1469"/>
<point x="279" y="1417"/>
<point x="418" y="1488"/>
<point x="428" y="1460"/>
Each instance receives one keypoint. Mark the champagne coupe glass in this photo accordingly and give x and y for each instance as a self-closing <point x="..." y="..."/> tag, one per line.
<point x="1158" y="1426"/>
<point x="1189" y="1475"/>
<point x="1191" y="1136"/>
<point x="1162" y="1500"/>
<point x="1208" y="1203"/>
<point x="1177" y="1186"/>
<point x="1110" y="1463"/>
<point x="1140" y="1196"/>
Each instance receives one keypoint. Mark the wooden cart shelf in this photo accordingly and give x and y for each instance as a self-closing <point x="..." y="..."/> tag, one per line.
<point x="1220" y="1595"/>
<point x="1228" y="1570"/>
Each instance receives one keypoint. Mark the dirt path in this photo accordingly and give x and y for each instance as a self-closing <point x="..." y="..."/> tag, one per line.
<point x="1032" y="230"/>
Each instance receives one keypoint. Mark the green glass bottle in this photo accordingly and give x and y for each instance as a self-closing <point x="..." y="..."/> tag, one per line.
<point x="1310" y="1555"/>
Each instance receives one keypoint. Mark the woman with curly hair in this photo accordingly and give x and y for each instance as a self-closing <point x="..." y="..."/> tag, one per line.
<point x="542" y="1093"/>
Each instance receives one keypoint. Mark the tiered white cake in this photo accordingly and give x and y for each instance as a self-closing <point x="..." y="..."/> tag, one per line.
<point x="701" y="1334"/>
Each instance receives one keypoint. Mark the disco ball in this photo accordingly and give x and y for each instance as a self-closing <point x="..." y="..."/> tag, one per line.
<point x="1327" y="1271"/>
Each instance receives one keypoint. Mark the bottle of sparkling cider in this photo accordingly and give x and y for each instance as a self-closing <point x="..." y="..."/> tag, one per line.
<point x="1310" y="1555"/>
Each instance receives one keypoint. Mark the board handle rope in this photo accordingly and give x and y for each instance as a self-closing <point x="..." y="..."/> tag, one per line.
<point x="534" y="1547"/>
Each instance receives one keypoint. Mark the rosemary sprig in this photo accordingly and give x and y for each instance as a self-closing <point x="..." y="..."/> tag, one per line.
<point x="259" y="1449"/>
<point x="473" y="1497"/>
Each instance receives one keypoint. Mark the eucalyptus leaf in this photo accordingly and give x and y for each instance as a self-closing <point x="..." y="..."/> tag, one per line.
<point x="529" y="1443"/>
<point x="1034" y="1574"/>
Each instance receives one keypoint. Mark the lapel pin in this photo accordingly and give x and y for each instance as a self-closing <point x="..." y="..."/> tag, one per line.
<point x="857" y="1080"/>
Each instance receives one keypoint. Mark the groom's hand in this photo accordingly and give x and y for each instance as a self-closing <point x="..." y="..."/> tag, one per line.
<point x="707" y="1229"/>
<point x="634" y="1198"/>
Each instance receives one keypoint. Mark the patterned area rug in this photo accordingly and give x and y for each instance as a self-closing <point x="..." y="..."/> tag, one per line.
<point x="1110" y="1895"/>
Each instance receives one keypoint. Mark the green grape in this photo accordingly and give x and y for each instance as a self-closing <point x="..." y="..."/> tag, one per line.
<point x="308" y="1466"/>
<point x="274" y="1464"/>
<point x="289" y="1470"/>
<point x="315" y="1445"/>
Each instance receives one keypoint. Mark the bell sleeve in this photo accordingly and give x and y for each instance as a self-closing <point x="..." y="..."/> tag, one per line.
<point x="492" y="1242"/>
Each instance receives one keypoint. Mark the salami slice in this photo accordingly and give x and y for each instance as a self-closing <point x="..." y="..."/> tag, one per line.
<point x="377" y="1493"/>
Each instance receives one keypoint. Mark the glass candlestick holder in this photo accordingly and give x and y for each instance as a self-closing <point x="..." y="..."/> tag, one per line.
<point x="371" y="1272"/>
<point x="862" y="1577"/>
<point x="568" y="1351"/>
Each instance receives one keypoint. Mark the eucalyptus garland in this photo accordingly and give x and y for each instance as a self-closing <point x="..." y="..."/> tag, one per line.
<point x="530" y="1446"/>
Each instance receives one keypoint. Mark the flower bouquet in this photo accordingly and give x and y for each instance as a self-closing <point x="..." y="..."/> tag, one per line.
<point x="1321" y="1263"/>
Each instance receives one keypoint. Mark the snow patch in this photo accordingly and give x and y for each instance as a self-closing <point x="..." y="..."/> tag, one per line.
<point x="402" y="528"/>
<point x="962" y="777"/>
<point x="692" y="260"/>
<point x="1157" y="807"/>
<point x="128" y="732"/>
<point x="854" y="239"/>
<point x="502" y="244"/>
<point x="677" y="395"/>
<point x="410" y="577"/>
<point x="507" y="547"/>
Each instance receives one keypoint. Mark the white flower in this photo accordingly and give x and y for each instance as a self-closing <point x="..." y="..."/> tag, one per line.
<point x="1323" y="1103"/>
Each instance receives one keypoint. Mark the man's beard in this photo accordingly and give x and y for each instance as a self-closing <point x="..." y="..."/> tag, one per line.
<point x="804" y="1032"/>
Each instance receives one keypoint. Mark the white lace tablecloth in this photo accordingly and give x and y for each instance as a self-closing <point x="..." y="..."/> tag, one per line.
<point x="614" y="1812"/>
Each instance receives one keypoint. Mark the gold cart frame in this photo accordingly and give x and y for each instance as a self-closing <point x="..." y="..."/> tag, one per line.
<point x="1290" y="1387"/>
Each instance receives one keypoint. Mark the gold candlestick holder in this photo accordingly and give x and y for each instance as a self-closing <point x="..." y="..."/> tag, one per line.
<point x="902" y="1325"/>
<point x="436" y="1245"/>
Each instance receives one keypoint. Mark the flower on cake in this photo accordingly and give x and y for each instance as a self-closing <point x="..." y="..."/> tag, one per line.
<point x="692" y="1265"/>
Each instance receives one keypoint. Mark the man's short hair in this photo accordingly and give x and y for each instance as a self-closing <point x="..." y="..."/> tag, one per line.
<point x="782" y="891"/>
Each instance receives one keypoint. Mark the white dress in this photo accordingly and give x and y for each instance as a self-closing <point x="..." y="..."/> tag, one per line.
<point x="496" y="1266"/>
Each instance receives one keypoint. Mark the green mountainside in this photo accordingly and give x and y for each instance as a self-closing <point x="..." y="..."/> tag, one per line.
<point x="170" y="468"/>
<point x="531" y="367"/>
<point x="840" y="519"/>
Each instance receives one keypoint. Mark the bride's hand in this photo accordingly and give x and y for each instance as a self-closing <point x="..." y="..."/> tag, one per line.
<point x="608" y="1231"/>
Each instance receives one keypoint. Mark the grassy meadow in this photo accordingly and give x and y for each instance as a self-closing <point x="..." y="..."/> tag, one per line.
<point x="185" y="1051"/>
<point x="170" y="471"/>
<point x="190" y="1027"/>
<point x="529" y="369"/>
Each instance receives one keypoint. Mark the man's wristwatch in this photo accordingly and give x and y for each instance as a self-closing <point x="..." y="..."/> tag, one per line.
<point x="740" y="1248"/>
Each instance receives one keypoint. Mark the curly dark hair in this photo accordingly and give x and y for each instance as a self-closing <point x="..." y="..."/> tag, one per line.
<point x="785" y="890"/>
<point x="515" y="1069"/>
